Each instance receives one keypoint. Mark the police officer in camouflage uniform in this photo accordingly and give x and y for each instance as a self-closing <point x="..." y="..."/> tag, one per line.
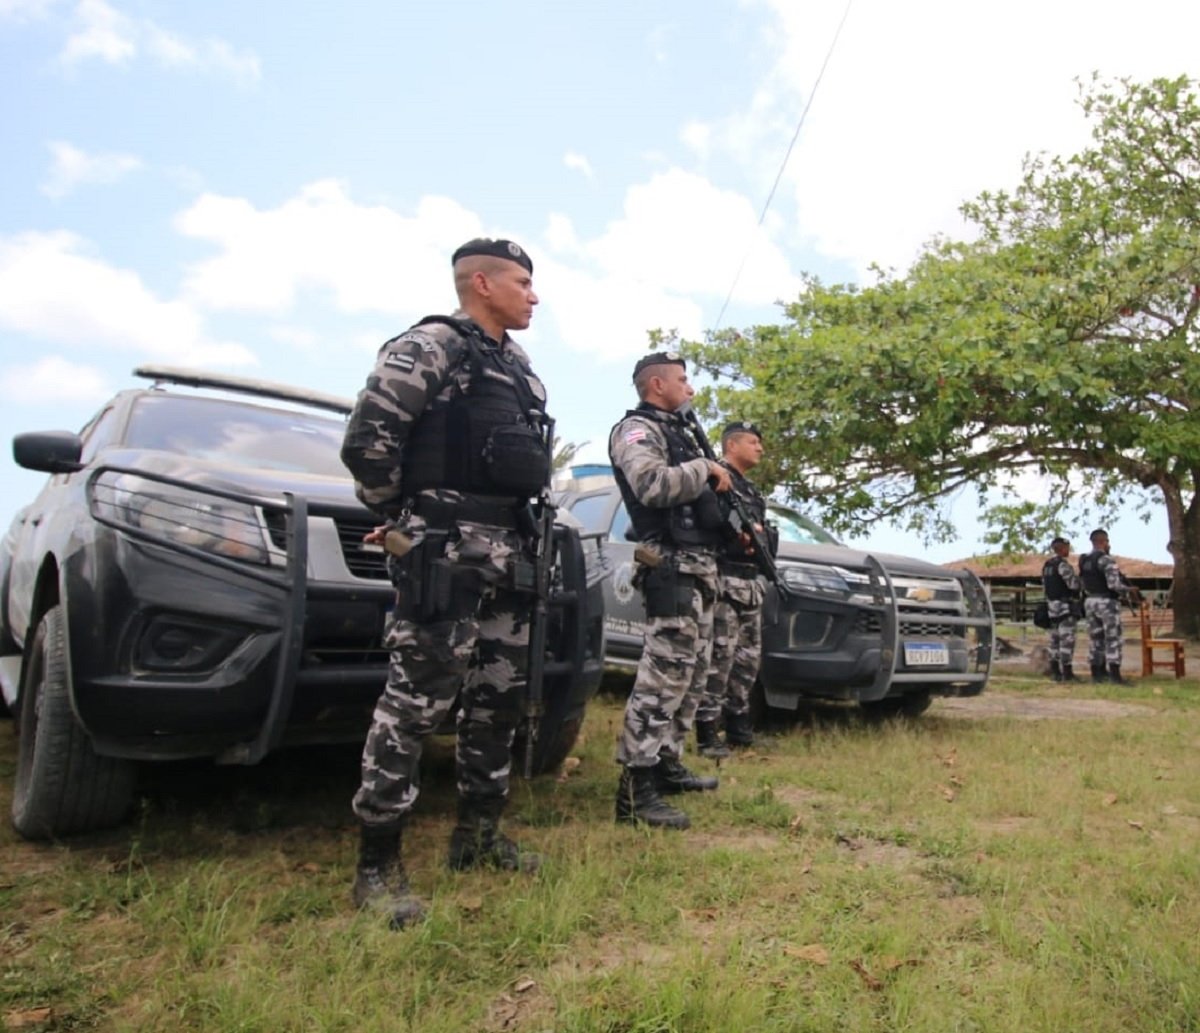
<point x="1062" y="587"/>
<point x="446" y="442"/>
<point x="668" y="487"/>
<point x="737" y="617"/>
<point x="1106" y="587"/>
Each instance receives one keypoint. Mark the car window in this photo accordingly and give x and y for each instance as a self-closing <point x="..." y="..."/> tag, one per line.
<point x="620" y="524"/>
<point x="592" y="511"/>
<point x="799" y="529"/>
<point x="98" y="433"/>
<point x="225" y="431"/>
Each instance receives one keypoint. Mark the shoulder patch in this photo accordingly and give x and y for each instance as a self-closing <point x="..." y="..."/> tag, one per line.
<point x="405" y="362"/>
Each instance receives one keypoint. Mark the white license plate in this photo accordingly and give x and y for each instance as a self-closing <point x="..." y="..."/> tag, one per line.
<point x="926" y="654"/>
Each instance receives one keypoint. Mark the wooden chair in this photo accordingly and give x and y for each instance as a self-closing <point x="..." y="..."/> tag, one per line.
<point x="1150" y="644"/>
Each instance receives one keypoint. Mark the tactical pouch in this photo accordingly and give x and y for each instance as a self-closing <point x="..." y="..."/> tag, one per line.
<point x="429" y="587"/>
<point x="711" y="513"/>
<point x="667" y="592"/>
<point x="516" y="461"/>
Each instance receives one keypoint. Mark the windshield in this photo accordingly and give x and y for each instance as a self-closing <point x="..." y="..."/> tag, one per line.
<point x="232" y="432"/>
<point x="796" y="528"/>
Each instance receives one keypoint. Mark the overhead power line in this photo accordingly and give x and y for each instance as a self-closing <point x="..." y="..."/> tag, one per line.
<point x="783" y="165"/>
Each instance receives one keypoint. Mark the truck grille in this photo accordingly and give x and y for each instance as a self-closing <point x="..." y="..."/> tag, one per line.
<point x="360" y="563"/>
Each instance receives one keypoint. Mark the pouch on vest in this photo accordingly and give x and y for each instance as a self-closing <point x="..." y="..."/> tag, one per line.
<point x="516" y="461"/>
<point x="1041" y="615"/>
<point x="667" y="592"/>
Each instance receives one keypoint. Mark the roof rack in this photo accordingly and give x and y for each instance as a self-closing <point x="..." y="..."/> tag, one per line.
<point x="244" y="385"/>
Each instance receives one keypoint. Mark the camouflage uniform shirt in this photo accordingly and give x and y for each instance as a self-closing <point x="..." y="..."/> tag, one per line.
<point x="676" y="652"/>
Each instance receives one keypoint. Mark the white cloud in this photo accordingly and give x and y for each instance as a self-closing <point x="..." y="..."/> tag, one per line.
<point x="206" y="55"/>
<point x="104" y="33"/>
<point x="51" y="290"/>
<point x="678" y="238"/>
<point x="608" y="316"/>
<point x="579" y="163"/>
<point x="72" y="167"/>
<point x="53" y="379"/>
<point x="925" y="104"/>
<point x="697" y="137"/>
<point x="371" y="258"/>
<point x="687" y="236"/>
<point x="20" y="10"/>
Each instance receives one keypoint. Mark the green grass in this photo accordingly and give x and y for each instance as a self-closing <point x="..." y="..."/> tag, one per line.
<point x="956" y="873"/>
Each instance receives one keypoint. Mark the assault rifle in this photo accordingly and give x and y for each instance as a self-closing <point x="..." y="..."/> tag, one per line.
<point x="543" y="556"/>
<point x="741" y="521"/>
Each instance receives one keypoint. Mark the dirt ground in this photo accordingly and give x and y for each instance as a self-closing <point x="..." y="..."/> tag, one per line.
<point x="997" y="704"/>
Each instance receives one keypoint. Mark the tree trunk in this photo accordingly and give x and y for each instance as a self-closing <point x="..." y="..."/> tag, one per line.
<point x="1184" y="546"/>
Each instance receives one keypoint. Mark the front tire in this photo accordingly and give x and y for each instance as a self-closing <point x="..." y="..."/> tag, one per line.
<point x="62" y="785"/>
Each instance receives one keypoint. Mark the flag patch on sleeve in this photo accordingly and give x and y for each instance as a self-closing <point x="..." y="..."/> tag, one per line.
<point x="634" y="435"/>
<point x="402" y="362"/>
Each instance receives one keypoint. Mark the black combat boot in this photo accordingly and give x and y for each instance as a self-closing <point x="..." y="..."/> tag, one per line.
<point x="1055" y="670"/>
<point x="1114" y="675"/>
<point x="638" y="801"/>
<point x="708" y="742"/>
<point x="1068" y="673"/>
<point x="673" y="777"/>
<point x="380" y="884"/>
<point x="477" y="840"/>
<point x="739" y="734"/>
<point x="1099" y="674"/>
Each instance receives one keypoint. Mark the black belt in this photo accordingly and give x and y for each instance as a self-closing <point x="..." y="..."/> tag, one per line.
<point x="496" y="512"/>
<point x="731" y="568"/>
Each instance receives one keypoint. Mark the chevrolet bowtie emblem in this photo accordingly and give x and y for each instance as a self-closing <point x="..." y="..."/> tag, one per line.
<point x="921" y="595"/>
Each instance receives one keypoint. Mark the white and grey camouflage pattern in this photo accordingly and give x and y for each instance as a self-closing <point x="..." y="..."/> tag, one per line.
<point x="675" y="657"/>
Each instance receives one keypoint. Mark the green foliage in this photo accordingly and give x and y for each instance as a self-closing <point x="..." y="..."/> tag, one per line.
<point x="1060" y="342"/>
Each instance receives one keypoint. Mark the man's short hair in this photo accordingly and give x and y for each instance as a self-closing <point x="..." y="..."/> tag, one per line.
<point x="658" y="359"/>
<point x="739" y="427"/>
<point x="1058" y="541"/>
<point x="505" y="249"/>
<point x="1098" y="533"/>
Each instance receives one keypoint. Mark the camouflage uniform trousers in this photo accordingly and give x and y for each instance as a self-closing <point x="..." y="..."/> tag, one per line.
<point x="1104" y="630"/>
<point x="1062" y="632"/>
<point x="477" y="654"/>
<point x="671" y="674"/>
<point x="736" y="649"/>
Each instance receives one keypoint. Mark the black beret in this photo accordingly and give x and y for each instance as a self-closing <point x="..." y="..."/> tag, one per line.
<point x="505" y="249"/>
<point x="658" y="359"/>
<point x="741" y="427"/>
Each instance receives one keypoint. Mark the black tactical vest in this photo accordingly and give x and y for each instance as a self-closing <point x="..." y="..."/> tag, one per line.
<point x="696" y="523"/>
<point x="1093" y="577"/>
<point x="1053" y="582"/>
<point x="754" y="503"/>
<point x="485" y="438"/>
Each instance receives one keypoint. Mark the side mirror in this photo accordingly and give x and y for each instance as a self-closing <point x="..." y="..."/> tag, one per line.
<point x="50" y="451"/>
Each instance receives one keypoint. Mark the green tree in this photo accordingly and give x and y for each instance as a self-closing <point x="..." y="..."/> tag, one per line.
<point x="564" y="453"/>
<point x="1061" y="341"/>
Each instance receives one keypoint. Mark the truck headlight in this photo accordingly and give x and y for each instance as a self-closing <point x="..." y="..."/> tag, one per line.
<point x="805" y="577"/>
<point x="181" y="516"/>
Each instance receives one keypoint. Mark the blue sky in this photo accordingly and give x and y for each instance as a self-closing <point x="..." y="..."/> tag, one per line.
<point x="273" y="189"/>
